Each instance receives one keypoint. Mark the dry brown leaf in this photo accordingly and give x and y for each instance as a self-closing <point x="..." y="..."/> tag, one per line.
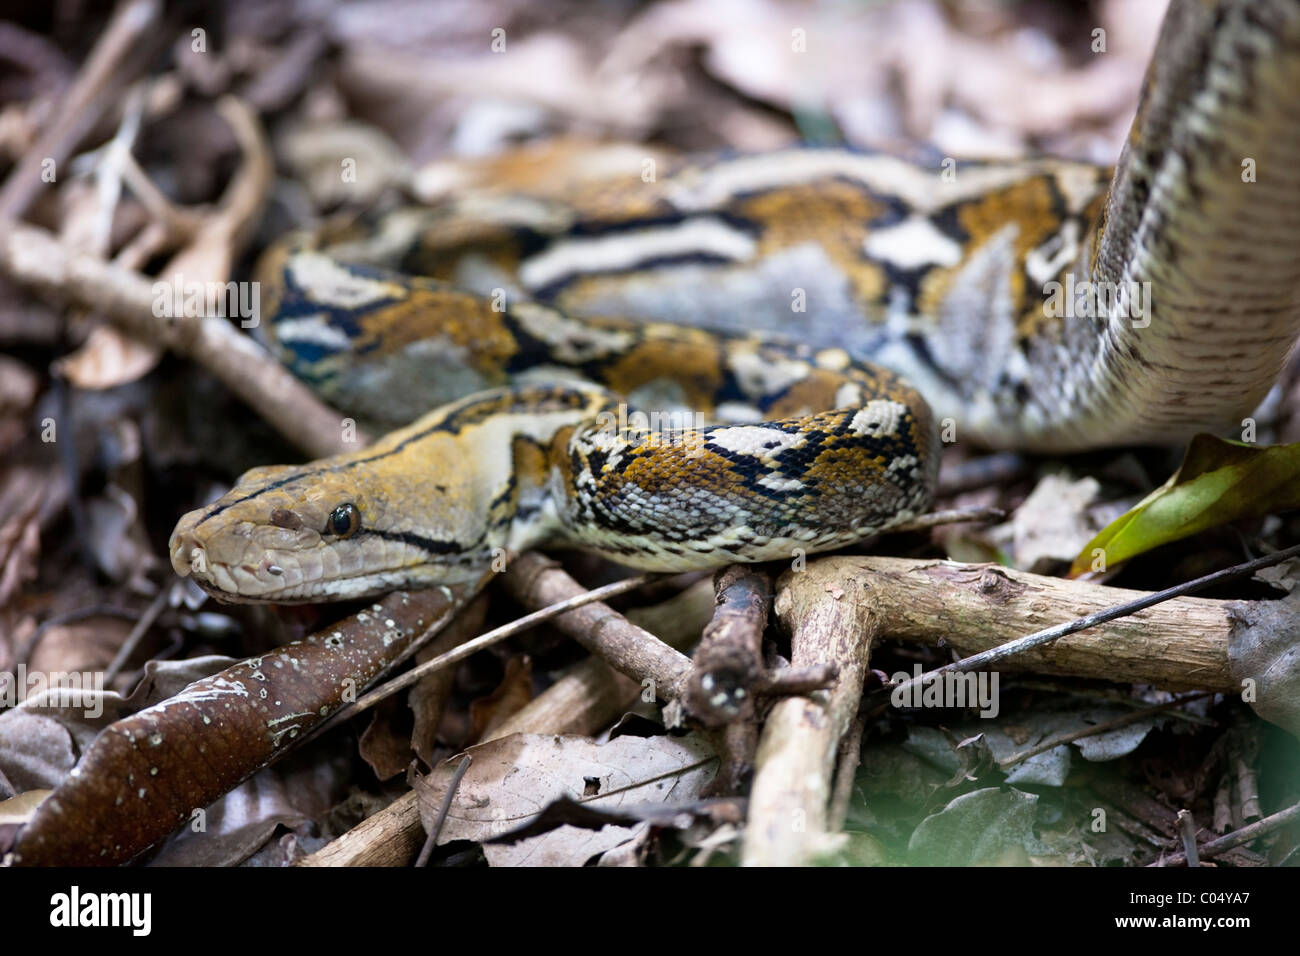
<point x="514" y="778"/>
<point x="384" y="745"/>
<point x="514" y="691"/>
<point x="291" y="794"/>
<point x="28" y="495"/>
<point x="428" y="698"/>
<point x="1054" y="522"/>
<point x="108" y="358"/>
<point x="18" y="389"/>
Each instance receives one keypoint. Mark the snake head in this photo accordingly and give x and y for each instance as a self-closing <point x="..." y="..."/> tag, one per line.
<point x="313" y="533"/>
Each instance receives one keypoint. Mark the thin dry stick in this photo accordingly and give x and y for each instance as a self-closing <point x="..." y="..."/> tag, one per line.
<point x="729" y="659"/>
<point x="1187" y="831"/>
<point x="95" y="87"/>
<point x="427" y="850"/>
<point x="536" y="580"/>
<point x="35" y="258"/>
<point x="494" y="636"/>
<point x="1237" y="837"/>
<point x="1011" y="648"/>
<point x="953" y="516"/>
<point x="846" y="770"/>
<point x="137" y="633"/>
<point x="1104" y="727"/>
<point x="790" y="797"/>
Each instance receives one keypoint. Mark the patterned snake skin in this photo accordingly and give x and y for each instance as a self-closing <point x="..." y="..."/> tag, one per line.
<point x="685" y="370"/>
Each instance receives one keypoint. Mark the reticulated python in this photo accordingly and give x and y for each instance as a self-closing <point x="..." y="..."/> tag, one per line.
<point x="1043" y="305"/>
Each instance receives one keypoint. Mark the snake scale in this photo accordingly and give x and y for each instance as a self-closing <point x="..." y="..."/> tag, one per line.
<point x="756" y="302"/>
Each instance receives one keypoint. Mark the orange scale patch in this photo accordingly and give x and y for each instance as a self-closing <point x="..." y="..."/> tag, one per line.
<point x="831" y="213"/>
<point x="814" y="394"/>
<point x="463" y="320"/>
<point x="696" y="367"/>
<point x="846" y="468"/>
<point x="664" y="472"/>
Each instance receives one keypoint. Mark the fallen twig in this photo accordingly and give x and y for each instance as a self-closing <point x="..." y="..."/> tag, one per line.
<point x="1237" y="838"/>
<point x="97" y="85"/>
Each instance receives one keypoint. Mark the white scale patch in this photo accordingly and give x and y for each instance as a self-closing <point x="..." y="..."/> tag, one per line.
<point x="758" y="375"/>
<point x="848" y="395"/>
<point x="736" y="412"/>
<point x="625" y="250"/>
<point x="330" y="283"/>
<point x="924" y="189"/>
<point x="312" y="330"/>
<point x="779" y="483"/>
<point x="913" y="243"/>
<point x="1079" y="184"/>
<point x="878" y="418"/>
<point x="904" y="463"/>
<point x="756" y="441"/>
<point x="572" y="341"/>
<point x="1045" y="263"/>
<point x="835" y="360"/>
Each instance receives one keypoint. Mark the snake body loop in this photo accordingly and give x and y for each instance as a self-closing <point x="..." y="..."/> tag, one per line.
<point x="1042" y="305"/>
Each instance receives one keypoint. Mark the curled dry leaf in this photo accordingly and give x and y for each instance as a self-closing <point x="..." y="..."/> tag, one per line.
<point x="1051" y="525"/>
<point x="384" y="744"/>
<point x="108" y="358"/>
<point x="984" y="827"/>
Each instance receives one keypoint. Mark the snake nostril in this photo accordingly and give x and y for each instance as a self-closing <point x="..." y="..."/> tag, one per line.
<point x="188" y="557"/>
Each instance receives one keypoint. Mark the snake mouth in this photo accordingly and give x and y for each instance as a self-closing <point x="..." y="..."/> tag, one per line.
<point x="266" y="581"/>
<point x="239" y="565"/>
<point x="252" y="563"/>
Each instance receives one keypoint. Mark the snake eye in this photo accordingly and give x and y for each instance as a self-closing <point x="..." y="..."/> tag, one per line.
<point x="344" y="520"/>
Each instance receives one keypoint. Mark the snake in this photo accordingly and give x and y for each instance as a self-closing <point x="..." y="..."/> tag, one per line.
<point x="681" y="362"/>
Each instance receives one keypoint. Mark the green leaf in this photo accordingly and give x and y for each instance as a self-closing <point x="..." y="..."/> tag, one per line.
<point x="1219" y="481"/>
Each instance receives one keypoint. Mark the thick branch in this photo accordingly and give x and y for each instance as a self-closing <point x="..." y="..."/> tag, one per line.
<point x="839" y="606"/>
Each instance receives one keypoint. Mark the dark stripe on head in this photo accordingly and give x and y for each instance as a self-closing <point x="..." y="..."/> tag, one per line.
<point x="462" y="415"/>
<point x="428" y="545"/>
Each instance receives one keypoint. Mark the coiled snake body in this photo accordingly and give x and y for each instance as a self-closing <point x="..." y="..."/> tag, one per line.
<point x="1043" y="305"/>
